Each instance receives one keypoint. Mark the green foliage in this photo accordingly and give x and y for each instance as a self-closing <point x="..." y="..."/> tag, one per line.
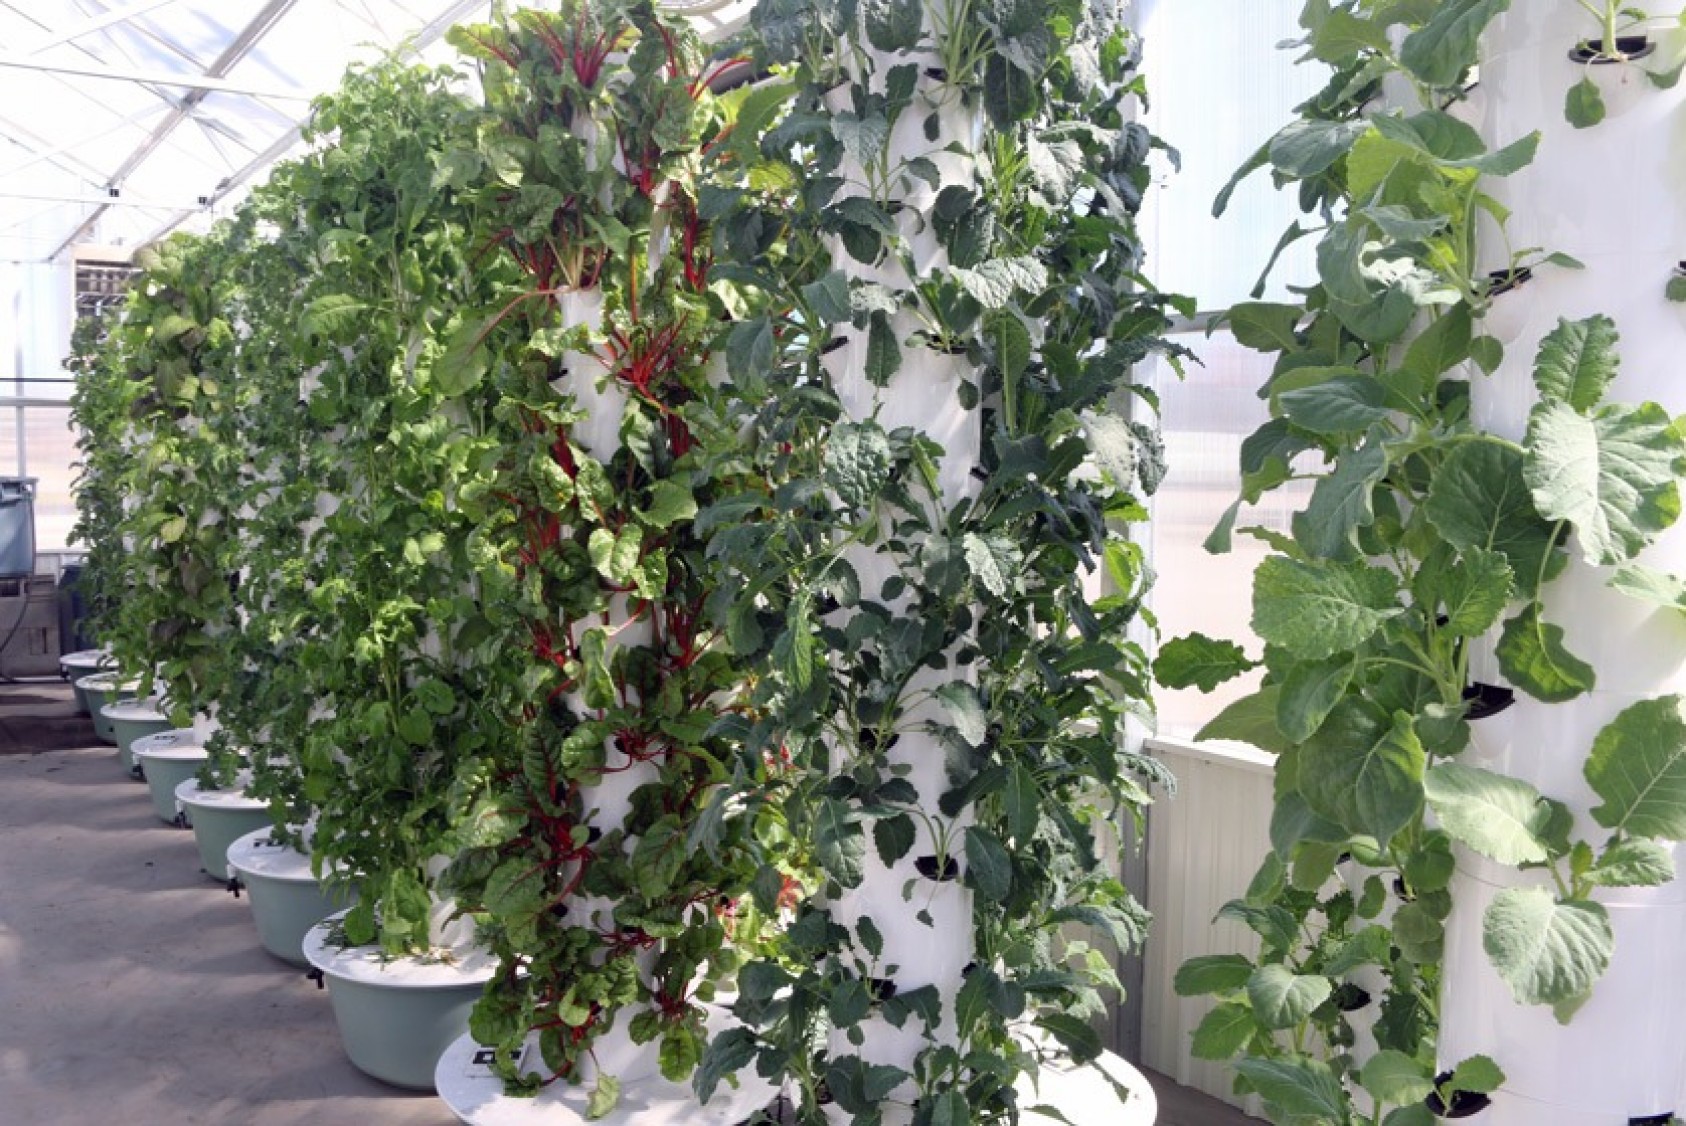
<point x="1424" y="539"/>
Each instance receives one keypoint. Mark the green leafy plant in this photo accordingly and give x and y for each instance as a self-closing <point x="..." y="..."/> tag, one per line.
<point x="889" y="608"/>
<point x="1423" y="541"/>
<point x="614" y="879"/>
<point x="1622" y="40"/>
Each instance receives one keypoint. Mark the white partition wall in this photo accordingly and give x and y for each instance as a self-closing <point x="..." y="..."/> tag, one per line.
<point x="1611" y="196"/>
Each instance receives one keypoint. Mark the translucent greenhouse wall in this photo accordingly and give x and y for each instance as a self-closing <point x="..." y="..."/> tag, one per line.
<point x="35" y="435"/>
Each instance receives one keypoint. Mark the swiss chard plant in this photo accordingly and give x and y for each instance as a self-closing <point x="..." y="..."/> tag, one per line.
<point x="1425" y="542"/>
<point x="613" y="880"/>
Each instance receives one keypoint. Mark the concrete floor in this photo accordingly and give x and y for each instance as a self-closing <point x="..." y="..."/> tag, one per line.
<point x="132" y="987"/>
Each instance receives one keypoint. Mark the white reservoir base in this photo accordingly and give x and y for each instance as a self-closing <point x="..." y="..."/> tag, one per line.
<point x="476" y="1096"/>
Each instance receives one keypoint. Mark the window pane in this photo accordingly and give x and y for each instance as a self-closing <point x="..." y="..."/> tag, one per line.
<point x="50" y="451"/>
<point x="1205" y="418"/>
<point x="1219" y="88"/>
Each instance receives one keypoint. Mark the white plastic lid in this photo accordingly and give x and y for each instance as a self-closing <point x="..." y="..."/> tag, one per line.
<point x="177" y="745"/>
<point x="258" y="853"/>
<point x="135" y="711"/>
<point x="368" y="965"/>
<point x="85" y="659"/>
<point x="106" y="682"/>
<point x="189" y="794"/>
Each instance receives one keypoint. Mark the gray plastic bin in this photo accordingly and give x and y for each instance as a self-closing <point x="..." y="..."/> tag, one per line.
<point x="17" y="527"/>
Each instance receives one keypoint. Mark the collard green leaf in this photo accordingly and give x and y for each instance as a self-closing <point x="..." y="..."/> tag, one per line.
<point x="1309" y="692"/>
<point x="993" y="283"/>
<point x="1342" y="405"/>
<point x="857" y="462"/>
<point x="1474" y="589"/>
<point x="988" y="869"/>
<point x="1443" y="49"/>
<point x="1198" y="661"/>
<point x="1548" y="952"/>
<point x="1638" y="766"/>
<point x="1532" y="657"/>
<point x="1610" y="474"/>
<point x="1223" y="1031"/>
<point x="839" y="842"/>
<point x="1478" y="498"/>
<point x="1265" y="327"/>
<point x="1282" y="999"/>
<point x="1633" y="863"/>
<point x="1212" y="973"/>
<point x="965" y="711"/>
<point x="1307" y="148"/>
<point x="1364" y="772"/>
<point x="1583" y="105"/>
<point x="1317" y="609"/>
<point x="1577" y="361"/>
<point x="1251" y="719"/>
<point x="1394" y="1077"/>
<point x="1440" y="347"/>
<point x="892" y="25"/>
<point x="1010" y="94"/>
<point x="1297" y="1091"/>
<point x="1502" y="818"/>
<point x="1477" y="1075"/>
<point x="1649" y="585"/>
<point x="1342" y="502"/>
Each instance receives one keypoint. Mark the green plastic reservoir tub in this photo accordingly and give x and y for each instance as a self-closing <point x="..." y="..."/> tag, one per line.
<point x="166" y="760"/>
<point x="74" y="666"/>
<point x="287" y="900"/>
<point x="131" y="720"/>
<point x="99" y="690"/>
<point x="397" y="1015"/>
<point x="219" y="818"/>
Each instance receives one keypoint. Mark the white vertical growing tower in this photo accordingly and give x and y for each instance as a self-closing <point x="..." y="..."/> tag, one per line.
<point x="1609" y="195"/>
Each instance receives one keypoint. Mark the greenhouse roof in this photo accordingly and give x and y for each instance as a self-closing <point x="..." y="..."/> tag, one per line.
<point x="121" y="120"/>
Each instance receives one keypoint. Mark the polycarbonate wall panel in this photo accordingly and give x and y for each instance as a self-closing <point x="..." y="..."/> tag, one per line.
<point x="1219" y="88"/>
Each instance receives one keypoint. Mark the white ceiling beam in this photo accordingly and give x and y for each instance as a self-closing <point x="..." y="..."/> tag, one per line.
<point x="207" y="83"/>
<point x="93" y="200"/>
<point x="99" y="23"/>
<point x="250" y="36"/>
<point x="413" y="45"/>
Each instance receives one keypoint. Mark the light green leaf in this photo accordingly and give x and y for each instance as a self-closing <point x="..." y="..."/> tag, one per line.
<point x="615" y="556"/>
<point x="465" y="361"/>
<point x="1394" y="1077"/>
<point x="1113" y="445"/>
<point x="1650" y="585"/>
<point x="1583" y="106"/>
<point x="829" y="298"/>
<point x="1577" y="361"/>
<point x="1223" y="1031"/>
<point x="1634" y="863"/>
<point x="1548" y="952"/>
<point x="1282" y="999"/>
<point x="994" y="562"/>
<point x="1344" y="404"/>
<point x="1251" y="719"/>
<point x="1474" y="590"/>
<point x="1532" y="657"/>
<point x="1309" y="692"/>
<point x="1318" y="609"/>
<point x="857" y="462"/>
<point x="1264" y="327"/>
<point x="1363" y="772"/>
<point x="1307" y="148"/>
<point x="1479" y="498"/>
<point x="605" y="1096"/>
<point x="993" y="283"/>
<point x="1612" y="475"/>
<point x="1500" y="817"/>
<point x="1297" y="1091"/>
<point x="1212" y="973"/>
<point x="965" y="710"/>
<point x="1478" y="1075"/>
<point x="1638" y="766"/>
<point x="1342" y="502"/>
<point x="1198" y="661"/>
<point x="670" y="502"/>
<point x="1440" y="51"/>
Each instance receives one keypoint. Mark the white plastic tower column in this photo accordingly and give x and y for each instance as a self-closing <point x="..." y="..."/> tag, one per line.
<point x="1611" y="196"/>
